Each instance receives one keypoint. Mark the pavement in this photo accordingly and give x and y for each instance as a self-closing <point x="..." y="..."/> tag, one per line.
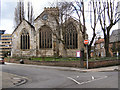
<point x="109" y="68"/>
<point x="11" y="80"/>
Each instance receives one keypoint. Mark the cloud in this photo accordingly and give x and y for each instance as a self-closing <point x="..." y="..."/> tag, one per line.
<point x="8" y="7"/>
<point x="7" y="15"/>
<point x="6" y="25"/>
<point x="7" y="11"/>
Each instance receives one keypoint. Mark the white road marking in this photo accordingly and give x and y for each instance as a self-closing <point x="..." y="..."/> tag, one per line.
<point x="87" y="81"/>
<point x="93" y="78"/>
<point x="74" y="80"/>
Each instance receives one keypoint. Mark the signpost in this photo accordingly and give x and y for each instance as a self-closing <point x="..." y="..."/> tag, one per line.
<point x="78" y="54"/>
<point x="117" y="54"/>
<point x="9" y="57"/>
<point x="86" y="43"/>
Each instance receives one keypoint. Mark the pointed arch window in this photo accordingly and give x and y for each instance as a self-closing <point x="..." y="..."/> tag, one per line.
<point x="71" y="36"/>
<point x="25" y="40"/>
<point x="45" y="37"/>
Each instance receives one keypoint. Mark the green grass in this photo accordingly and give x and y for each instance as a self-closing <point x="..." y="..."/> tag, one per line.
<point x="54" y="59"/>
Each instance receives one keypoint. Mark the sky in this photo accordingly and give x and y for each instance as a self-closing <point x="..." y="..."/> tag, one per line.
<point x="7" y="8"/>
<point x="7" y="12"/>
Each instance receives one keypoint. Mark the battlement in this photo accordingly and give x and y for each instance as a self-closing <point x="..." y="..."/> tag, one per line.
<point x="51" y="8"/>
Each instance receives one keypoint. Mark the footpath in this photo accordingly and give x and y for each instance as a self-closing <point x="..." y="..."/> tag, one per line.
<point x="109" y="68"/>
<point x="11" y="80"/>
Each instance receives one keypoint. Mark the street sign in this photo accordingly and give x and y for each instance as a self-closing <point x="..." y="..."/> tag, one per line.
<point x="78" y="54"/>
<point x="85" y="41"/>
<point x="117" y="53"/>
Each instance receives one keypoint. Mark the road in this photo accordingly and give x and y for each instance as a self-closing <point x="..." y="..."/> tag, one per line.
<point x="41" y="77"/>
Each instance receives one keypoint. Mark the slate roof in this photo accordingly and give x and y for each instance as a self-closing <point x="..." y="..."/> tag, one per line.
<point x="115" y="36"/>
<point x="20" y="23"/>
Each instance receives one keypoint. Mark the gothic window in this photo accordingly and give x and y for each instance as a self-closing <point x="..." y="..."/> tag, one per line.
<point x="45" y="37"/>
<point x="71" y="36"/>
<point x="25" y="40"/>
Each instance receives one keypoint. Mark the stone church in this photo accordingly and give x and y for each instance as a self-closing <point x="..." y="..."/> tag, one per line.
<point x="41" y="39"/>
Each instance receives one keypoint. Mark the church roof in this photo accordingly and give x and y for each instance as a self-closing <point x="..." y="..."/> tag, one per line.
<point x="20" y="24"/>
<point x="70" y="19"/>
<point x="39" y="15"/>
<point x="48" y="10"/>
<point x="115" y="36"/>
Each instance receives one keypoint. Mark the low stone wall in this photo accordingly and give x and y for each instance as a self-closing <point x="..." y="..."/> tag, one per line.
<point x="48" y="63"/>
<point x="103" y="63"/>
<point x="92" y="64"/>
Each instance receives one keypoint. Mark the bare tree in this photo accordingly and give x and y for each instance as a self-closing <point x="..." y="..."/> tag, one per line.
<point x="78" y="7"/>
<point x="19" y="13"/>
<point x="108" y="17"/>
<point x="80" y="11"/>
<point x="30" y="13"/>
<point x="16" y="18"/>
<point x="93" y="20"/>
<point x="64" y="11"/>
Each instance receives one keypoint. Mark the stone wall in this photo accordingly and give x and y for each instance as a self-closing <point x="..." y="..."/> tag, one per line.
<point x="92" y="64"/>
<point x="16" y="41"/>
<point x="45" y="53"/>
<point x="102" y="63"/>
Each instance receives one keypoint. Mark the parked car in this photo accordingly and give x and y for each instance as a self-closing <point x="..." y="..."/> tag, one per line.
<point x="2" y="61"/>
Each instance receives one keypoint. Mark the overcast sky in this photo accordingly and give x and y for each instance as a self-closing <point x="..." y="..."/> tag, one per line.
<point x="7" y="8"/>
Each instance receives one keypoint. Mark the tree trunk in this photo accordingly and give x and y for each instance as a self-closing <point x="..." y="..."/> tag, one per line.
<point x="82" y="58"/>
<point x="106" y="38"/>
<point x="57" y="49"/>
<point x="62" y="50"/>
<point x="89" y="51"/>
<point x="90" y="45"/>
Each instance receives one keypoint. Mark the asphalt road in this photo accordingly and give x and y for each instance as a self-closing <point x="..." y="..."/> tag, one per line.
<point x="40" y="77"/>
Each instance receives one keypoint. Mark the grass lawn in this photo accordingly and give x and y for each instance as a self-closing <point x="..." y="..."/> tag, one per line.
<point x="54" y="59"/>
<point x="70" y="59"/>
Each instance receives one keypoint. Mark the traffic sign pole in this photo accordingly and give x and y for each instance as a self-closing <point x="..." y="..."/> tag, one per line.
<point x="87" y="55"/>
<point x="86" y="43"/>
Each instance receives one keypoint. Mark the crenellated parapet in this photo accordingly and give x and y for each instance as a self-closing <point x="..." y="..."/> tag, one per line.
<point x="52" y="10"/>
